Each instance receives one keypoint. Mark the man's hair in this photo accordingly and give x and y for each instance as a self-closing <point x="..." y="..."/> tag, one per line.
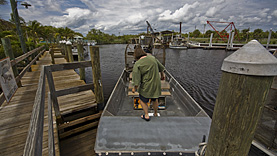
<point x="139" y="53"/>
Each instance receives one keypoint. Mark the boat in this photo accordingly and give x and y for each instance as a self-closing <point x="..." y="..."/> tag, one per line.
<point x="178" y="129"/>
<point x="178" y="43"/>
<point x="193" y="44"/>
<point x="75" y="50"/>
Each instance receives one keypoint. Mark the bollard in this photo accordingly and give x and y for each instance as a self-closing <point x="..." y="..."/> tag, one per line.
<point x="268" y="39"/>
<point x="9" y="53"/>
<point x="81" y="58"/>
<point x="247" y="77"/>
<point x="69" y="51"/>
<point x="96" y="73"/>
<point x="211" y="40"/>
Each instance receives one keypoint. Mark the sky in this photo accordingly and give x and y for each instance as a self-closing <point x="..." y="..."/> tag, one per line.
<point x="129" y="16"/>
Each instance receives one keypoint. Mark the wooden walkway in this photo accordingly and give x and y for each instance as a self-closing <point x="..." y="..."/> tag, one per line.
<point x="15" y="116"/>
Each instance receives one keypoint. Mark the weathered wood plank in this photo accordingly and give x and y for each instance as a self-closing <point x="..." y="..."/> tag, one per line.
<point x="79" y="129"/>
<point x="24" y="56"/>
<point x="74" y="90"/>
<point x="33" y="145"/>
<point x="67" y="66"/>
<point x="78" y="121"/>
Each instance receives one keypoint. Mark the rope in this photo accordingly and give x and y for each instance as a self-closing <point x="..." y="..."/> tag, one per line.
<point x="202" y="149"/>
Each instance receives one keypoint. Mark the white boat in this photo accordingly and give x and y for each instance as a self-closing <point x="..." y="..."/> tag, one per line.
<point x="178" y="43"/>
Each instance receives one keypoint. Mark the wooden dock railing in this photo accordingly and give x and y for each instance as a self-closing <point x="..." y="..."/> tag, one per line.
<point x="34" y="142"/>
<point x="14" y="61"/>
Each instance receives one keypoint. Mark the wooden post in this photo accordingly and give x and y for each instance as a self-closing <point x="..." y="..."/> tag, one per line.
<point x="96" y="73"/>
<point x="247" y="77"/>
<point x="66" y="53"/>
<point x="69" y="51"/>
<point x="211" y="40"/>
<point x="9" y="53"/>
<point x="81" y="58"/>
<point x="52" y="55"/>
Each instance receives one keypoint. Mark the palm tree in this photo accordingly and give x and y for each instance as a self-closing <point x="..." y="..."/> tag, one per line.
<point x="34" y="29"/>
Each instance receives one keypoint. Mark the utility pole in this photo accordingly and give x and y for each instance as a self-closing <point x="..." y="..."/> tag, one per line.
<point x="18" y="27"/>
<point x="204" y="30"/>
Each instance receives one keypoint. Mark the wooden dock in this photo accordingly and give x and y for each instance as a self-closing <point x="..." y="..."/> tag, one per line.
<point x="16" y="115"/>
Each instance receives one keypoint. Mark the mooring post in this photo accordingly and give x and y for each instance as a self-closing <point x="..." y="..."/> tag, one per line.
<point x="229" y="38"/>
<point x="63" y="47"/>
<point x="9" y="53"/>
<point x="268" y="39"/>
<point x="69" y="51"/>
<point x="247" y="77"/>
<point x="211" y="40"/>
<point x="81" y="58"/>
<point x="232" y="39"/>
<point x="96" y="73"/>
<point x="52" y="54"/>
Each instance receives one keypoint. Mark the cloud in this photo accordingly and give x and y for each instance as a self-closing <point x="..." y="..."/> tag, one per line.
<point x="212" y="11"/>
<point x="74" y="18"/>
<point x="274" y="13"/>
<point x="183" y="14"/>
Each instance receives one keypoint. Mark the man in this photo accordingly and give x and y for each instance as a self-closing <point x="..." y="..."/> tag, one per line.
<point x="147" y="80"/>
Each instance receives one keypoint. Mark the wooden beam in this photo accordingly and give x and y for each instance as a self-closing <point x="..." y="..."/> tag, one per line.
<point x="33" y="144"/>
<point x="81" y="58"/>
<point x="18" y="78"/>
<point x="52" y="89"/>
<point x="74" y="90"/>
<point x="24" y="56"/>
<point x="79" y="129"/>
<point x="97" y="80"/>
<point x="78" y="121"/>
<point x="51" y="141"/>
<point x="67" y="66"/>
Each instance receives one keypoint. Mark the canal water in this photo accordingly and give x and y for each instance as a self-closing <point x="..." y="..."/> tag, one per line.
<point x="197" y="70"/>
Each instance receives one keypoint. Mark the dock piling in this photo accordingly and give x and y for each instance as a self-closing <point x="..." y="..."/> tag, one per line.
<point x="96" y="73"/>
<point x="81" y="58"/>
<point x="211" y="40"/>
<point x="69" y="51"/>
<point x="247" y="77"/>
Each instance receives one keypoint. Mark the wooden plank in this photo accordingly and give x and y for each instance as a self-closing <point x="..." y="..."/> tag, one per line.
<point x="51" y="141"/>
<point x="163" y="93"/>
<point x="79" y="129"/>
<point x="78" y="121"/>
<point x="74" y="90"/>
<point x="73" y="65"/>
<point x="164" y="85"/>
<point x="59" y="56"/>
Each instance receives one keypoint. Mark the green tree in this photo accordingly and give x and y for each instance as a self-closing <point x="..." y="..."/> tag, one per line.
<point x="196" y="33"/>
<point x="3" y="2"/>
<point x="258" y="34"/>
